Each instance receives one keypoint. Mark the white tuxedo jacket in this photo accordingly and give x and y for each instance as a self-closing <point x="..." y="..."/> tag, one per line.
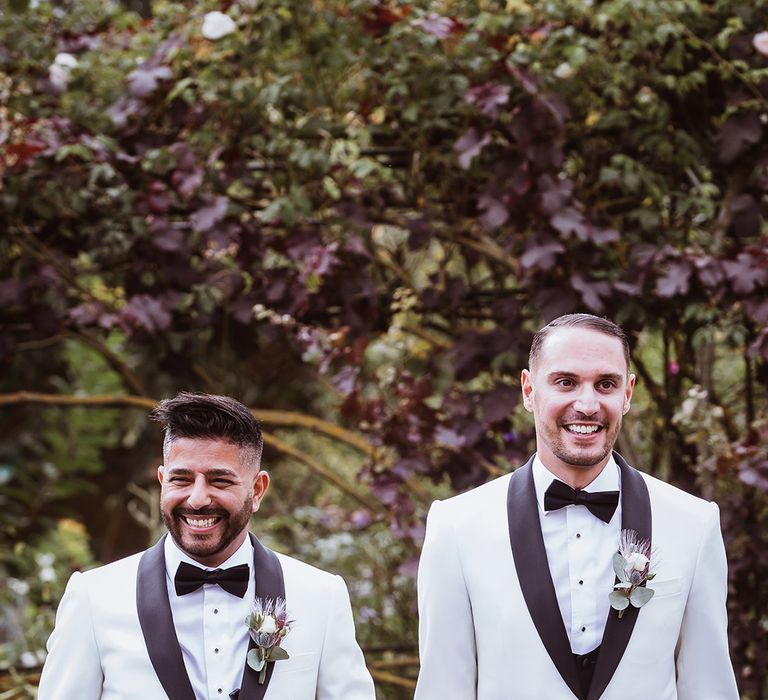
<point x="490" y="627"/>
<point x="114" y="636"/>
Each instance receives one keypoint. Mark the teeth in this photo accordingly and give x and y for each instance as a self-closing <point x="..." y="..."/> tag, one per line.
<point x="201" y="523"/>
<point x="583" y="429"/>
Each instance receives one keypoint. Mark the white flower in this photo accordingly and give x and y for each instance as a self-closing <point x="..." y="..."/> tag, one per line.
<point x="564" y="71"/>
<point x="268" y="625"/>
<point x="28" y="659"/>
<point x="760" y="42"/>
<point x="18" y="586"/>
<point x="216" y="25"/>
<point x="60" y="71"/>
<point x="637" y="561"/>
<point x="47" y="574"/>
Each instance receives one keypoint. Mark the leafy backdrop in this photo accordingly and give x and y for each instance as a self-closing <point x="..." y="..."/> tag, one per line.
<point x="352" y="216"/>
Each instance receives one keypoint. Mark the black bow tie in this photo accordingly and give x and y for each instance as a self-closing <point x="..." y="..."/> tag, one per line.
<point x="602" y="504"/>
<point x="233" y="580"/>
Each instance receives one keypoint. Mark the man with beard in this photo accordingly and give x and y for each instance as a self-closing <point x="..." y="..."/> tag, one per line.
<point x="576" y="576"/>
<point x="171" y="621"/>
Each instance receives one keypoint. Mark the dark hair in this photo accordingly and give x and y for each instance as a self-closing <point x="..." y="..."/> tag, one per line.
<point x="593" y="323"/>
<point x="207" y="416"/>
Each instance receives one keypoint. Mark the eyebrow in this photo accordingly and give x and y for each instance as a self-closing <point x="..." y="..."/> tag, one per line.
<point x="183" y="471"/>
<point x="570" y="375"/>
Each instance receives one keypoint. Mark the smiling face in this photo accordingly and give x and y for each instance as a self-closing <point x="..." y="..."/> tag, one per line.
<point x="578" y="392"/>
<point x="207" y="497"/>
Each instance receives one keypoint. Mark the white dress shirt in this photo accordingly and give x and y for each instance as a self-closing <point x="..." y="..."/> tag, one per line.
<point x="210" y="625"/>
<point x="580" y="549"/>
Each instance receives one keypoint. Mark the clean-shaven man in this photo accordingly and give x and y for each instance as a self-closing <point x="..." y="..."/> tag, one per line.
<point x="515" y="576"/>
<point x="170" y="622"/>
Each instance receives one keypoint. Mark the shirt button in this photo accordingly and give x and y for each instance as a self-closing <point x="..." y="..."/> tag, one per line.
<point x="586" y="662"/>
<point x="216" y="650"/>
<point x="219" y="690"/>
<point x="581" y="582"/>
<point x="578" y="535"/>
<point x="215" y="611"/>
<point x="583" y="629"/>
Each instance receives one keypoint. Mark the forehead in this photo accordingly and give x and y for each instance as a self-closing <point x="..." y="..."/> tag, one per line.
<point x="578" y="350"/>
<point x="204" y="454"/>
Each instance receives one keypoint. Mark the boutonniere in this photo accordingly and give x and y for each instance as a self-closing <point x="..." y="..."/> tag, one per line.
<point x="268" y="624"/>
<point x="632" y="564"/>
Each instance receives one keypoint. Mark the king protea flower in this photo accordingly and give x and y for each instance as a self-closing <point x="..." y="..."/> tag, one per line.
<point x="268" y="624"/>
<point x="632" y="565"/>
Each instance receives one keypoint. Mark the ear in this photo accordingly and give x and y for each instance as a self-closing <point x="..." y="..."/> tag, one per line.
<point x="160" y="474"/>
<point x="260" y="487"/>
<point x="526" y="384"/>
<point x="628" y="393"/>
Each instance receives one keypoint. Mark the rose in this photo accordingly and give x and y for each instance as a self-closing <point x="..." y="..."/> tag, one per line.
<point x="760" y="42"/>
<point x="268" y="625"/>
<point x="217" y="25"/>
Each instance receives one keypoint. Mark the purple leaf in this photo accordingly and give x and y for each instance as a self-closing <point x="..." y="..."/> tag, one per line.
<point x="469" y="146"/>
<point x="541" y="255"/>
<point x="739" y="132"/>
<point x="488" y="97"/>
<point x="149" y="313"/>
<point x="499" y="403"/>
<point x="745" y="273"/>
<point x="555" y="194"/>
<point x="207" y="217"/>
<point x="592" y="293"/>
<point x="448" y="438"/>
<point x="437" y="25"/>
<point x="144" y="81"/>
<point x="494" y="212"/>
<point x="570" y="220"/>
<point x="674" y="280"/>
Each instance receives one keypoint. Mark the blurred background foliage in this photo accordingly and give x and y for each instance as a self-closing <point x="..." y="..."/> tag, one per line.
<point x="352" y="215"/>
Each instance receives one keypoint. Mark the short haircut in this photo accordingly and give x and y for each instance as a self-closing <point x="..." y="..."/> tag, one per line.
<point x="588" y="321"/>
<point x="210" y="417"/>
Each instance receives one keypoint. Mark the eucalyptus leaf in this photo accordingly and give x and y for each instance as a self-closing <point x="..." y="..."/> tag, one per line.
<point x="640" y="596"/>
<point x="254" y="660"/>
<point x="278" y="654"/>
<point x="618" y="600"/>
<point x="619" y="565"/>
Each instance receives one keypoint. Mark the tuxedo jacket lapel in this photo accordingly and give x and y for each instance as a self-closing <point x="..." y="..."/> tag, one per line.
<point x="157" y="627"/>
<point x="635" y="515"/>
<point x="532" y="568"/>
<point x="269" y="584"/>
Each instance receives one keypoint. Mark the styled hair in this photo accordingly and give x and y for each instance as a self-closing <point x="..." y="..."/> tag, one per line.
<point x="210" y="417"/>
<point x="588" y="321"/>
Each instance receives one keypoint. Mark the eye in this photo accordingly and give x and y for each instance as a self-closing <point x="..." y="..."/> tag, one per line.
<point x="565" y="382"/>
<point x="607" y="385"/>
<point x="179" y="480"/>
<point x="222" y="482"/>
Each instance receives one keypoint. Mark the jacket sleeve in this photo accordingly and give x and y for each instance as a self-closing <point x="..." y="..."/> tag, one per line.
<point x="704" y="670"/>
<point x="342" y="674"/>
<point x="446" y="629"/>
<point x="72" y="670"/>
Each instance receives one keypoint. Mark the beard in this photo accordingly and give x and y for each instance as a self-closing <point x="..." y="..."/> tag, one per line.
<point x="580" y="457"/>
<point x="202" y="546"/>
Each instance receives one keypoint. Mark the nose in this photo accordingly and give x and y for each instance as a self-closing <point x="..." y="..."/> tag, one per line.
<point x="587" y="401"/>
<point x="198" y="496"/>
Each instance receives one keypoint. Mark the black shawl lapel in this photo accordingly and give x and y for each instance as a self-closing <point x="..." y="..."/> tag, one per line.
<point x="269" y="584"/>
<point x="635" y="515"/>
<point x="157" y="627"/>
<point x="533" y="573"/>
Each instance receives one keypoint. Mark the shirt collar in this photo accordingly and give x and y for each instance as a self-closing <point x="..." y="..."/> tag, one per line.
<point x="174" y="556"/>
<point x="609" y="479"/>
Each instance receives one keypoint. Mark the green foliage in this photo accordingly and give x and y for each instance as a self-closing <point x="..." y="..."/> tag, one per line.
<point x="362" y="210"/>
